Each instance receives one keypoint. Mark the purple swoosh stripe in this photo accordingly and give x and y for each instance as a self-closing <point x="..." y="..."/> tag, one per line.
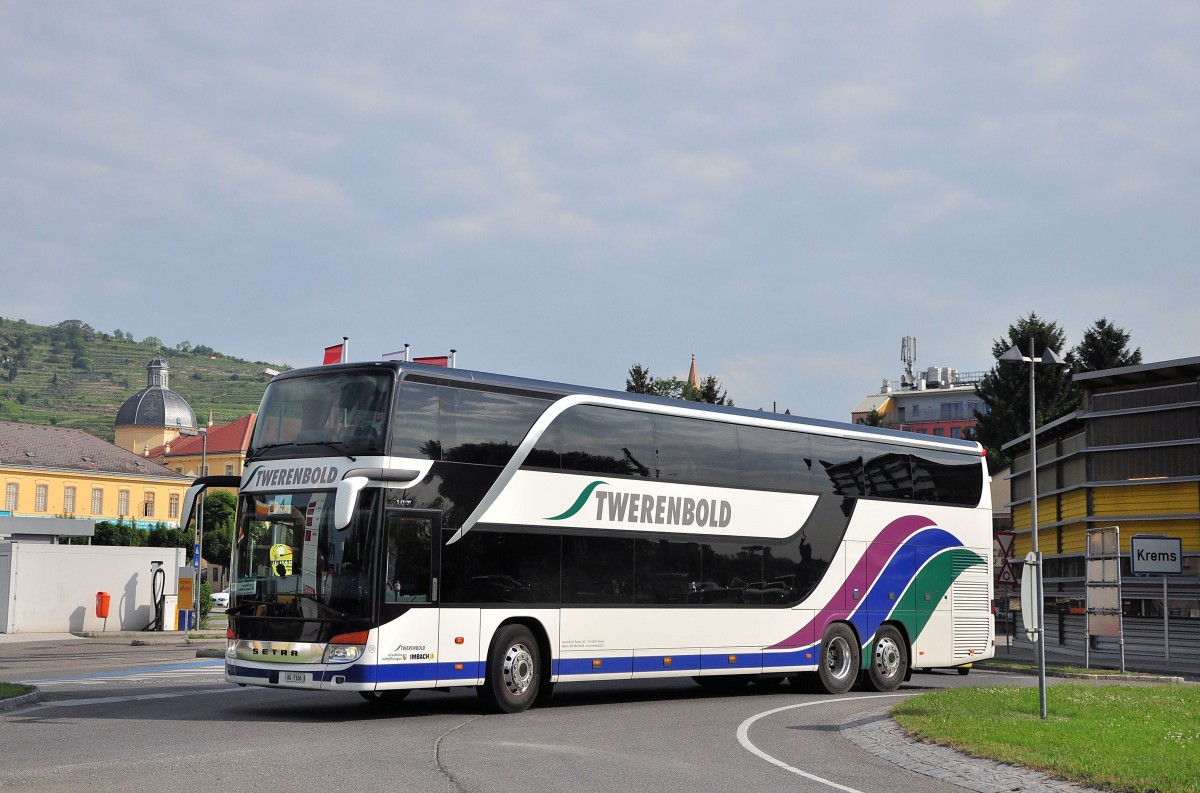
<point x="868" y="568"/>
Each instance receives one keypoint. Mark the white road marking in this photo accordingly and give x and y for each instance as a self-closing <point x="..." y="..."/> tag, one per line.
<point x="743" y="736"/>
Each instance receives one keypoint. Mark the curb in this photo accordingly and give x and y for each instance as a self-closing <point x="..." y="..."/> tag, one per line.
<point x="1110" y="678"/>
<point x="19" y="701"/>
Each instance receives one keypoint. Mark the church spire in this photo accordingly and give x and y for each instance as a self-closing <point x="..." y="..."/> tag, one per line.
<point x="693" y="380"/>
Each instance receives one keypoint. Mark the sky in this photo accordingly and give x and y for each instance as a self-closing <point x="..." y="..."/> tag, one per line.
<point x="561" y="190"/>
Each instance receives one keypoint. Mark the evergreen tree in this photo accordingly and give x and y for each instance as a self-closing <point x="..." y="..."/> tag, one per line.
<point x="1005" y="389"/>
<point x="1104" y="346"/>
<point x="639" y="380"/>
<point x="710" y="390"/>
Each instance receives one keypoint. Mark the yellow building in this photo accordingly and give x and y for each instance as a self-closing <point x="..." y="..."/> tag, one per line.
<point x="55" y="471"/>
<point x="1130" y="459"/>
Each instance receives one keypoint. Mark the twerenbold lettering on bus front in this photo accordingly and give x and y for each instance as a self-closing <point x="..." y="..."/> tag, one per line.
<point x="662" y="510"/>
<point x="286" y="477"/>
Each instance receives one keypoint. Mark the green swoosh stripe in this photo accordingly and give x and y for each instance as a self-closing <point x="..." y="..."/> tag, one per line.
<point x="579" y="502"/>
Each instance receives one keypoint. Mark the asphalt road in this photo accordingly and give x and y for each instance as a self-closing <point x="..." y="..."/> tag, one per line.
<point x="159" y="719"/>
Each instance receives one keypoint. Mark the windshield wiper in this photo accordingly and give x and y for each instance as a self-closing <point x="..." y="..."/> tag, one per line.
<point x="266" y="447"/>
<point x="340" y="448"/>
<point x="337" y="447"/>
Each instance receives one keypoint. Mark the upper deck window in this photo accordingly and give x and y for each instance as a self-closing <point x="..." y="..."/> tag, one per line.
<point x="346" y="411"/>
<point x="461" y="425"/>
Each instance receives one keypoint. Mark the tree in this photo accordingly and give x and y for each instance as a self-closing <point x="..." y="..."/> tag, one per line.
<point x="639" y="380"/>
<point x="1005" y="389"/>
<point x="1104" y="346"/>
<point x="218" y="544"/>
<point x="162" y="537"/>
<point x="119" y="533"/>
<point x="220" y="508"/>
<point x="710" y="390"/>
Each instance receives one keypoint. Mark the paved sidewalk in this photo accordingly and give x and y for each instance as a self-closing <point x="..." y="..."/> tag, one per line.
<point x="16" y="638"/>
<point x="135" y="637"/>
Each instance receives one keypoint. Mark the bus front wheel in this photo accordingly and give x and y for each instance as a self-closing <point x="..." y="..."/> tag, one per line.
<point x="889" y="660"/>
<point x="840" y="659"/>
<point x="513" y="671"/>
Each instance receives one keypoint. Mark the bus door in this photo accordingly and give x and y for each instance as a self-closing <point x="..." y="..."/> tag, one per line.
<point x="408" y="613"/>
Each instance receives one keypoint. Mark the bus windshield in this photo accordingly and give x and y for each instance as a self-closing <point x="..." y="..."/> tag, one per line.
<point x="342" y="411"/>
<point x="289" y="560"/>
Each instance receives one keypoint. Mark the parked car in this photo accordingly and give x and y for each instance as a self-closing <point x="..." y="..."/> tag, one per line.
<point x="220" y="600"/>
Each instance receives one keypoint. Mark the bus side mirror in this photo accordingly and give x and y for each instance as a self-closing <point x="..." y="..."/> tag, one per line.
<point x="346" y="500"/>
<point x="189" y="503"/>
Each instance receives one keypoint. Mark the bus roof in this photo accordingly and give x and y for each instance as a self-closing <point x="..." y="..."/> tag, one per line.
<point x="549" y="388"/>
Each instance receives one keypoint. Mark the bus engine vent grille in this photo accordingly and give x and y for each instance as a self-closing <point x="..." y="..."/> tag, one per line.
<point x="972" y="636"/>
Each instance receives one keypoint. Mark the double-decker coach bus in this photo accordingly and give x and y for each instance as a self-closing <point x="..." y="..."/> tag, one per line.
<point x="403" y="526"/>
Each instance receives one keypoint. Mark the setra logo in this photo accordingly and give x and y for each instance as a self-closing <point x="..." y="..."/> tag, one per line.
<point x="273" y="652"/>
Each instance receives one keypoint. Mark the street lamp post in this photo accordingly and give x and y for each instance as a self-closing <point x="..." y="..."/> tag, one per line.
<point x="200" y="526"/>
<point x="1049" y="356"/>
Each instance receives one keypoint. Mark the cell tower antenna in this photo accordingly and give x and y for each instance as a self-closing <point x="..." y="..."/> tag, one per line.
<point x="908" y="356"/>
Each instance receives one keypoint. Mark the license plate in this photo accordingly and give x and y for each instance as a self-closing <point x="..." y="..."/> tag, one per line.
<point x="293" y="677"/>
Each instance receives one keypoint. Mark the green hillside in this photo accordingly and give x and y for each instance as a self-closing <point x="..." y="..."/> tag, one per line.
<point x="72" y="375"/>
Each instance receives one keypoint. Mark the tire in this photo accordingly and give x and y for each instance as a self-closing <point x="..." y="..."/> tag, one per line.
<point x="964" y="670"/>
<point x="889" y="660"/>
<point x="514" y="671"/>
<point x="385" y="698"/>
<point x="840" y="659"/>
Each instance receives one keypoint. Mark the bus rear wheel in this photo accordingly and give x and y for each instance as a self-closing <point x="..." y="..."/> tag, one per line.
<point x="889" y="660"/>
<point x="840" y="659"/>
<point x="514" y="671"/>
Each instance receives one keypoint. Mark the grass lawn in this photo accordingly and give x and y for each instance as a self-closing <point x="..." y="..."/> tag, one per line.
<point x="8" y="690"/>
<point x="1119" y="737"/>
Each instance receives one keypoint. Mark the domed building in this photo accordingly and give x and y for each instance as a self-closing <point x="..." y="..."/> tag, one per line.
<point x="154" y="416"/>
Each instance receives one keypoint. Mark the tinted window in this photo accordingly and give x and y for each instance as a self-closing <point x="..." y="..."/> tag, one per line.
<point x="415" y="423"/>
<point x="782" y="572"/>
<point x="548" y="452"/>
<point x="947" y="477"/>
<point x="461" y="425"/>
<point x="668" y="572"/>
<point x="597" y="570"/>
<point x="501" y="567"/>
<point x="346" y="408"/>
<point x="607" y="441"/>
<point x="886" y="471"/>
<point x="836" y="465"/>
<point x="482" y="427"/>
<point x="732" y="571"/>
<point x="775" y="459"/>
<point x="691" y="450"/>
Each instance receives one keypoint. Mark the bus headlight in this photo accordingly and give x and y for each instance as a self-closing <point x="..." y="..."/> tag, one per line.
<point x="345" y="648"/>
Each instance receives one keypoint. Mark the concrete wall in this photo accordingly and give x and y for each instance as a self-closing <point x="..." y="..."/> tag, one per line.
<point x="52" y="588"/>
